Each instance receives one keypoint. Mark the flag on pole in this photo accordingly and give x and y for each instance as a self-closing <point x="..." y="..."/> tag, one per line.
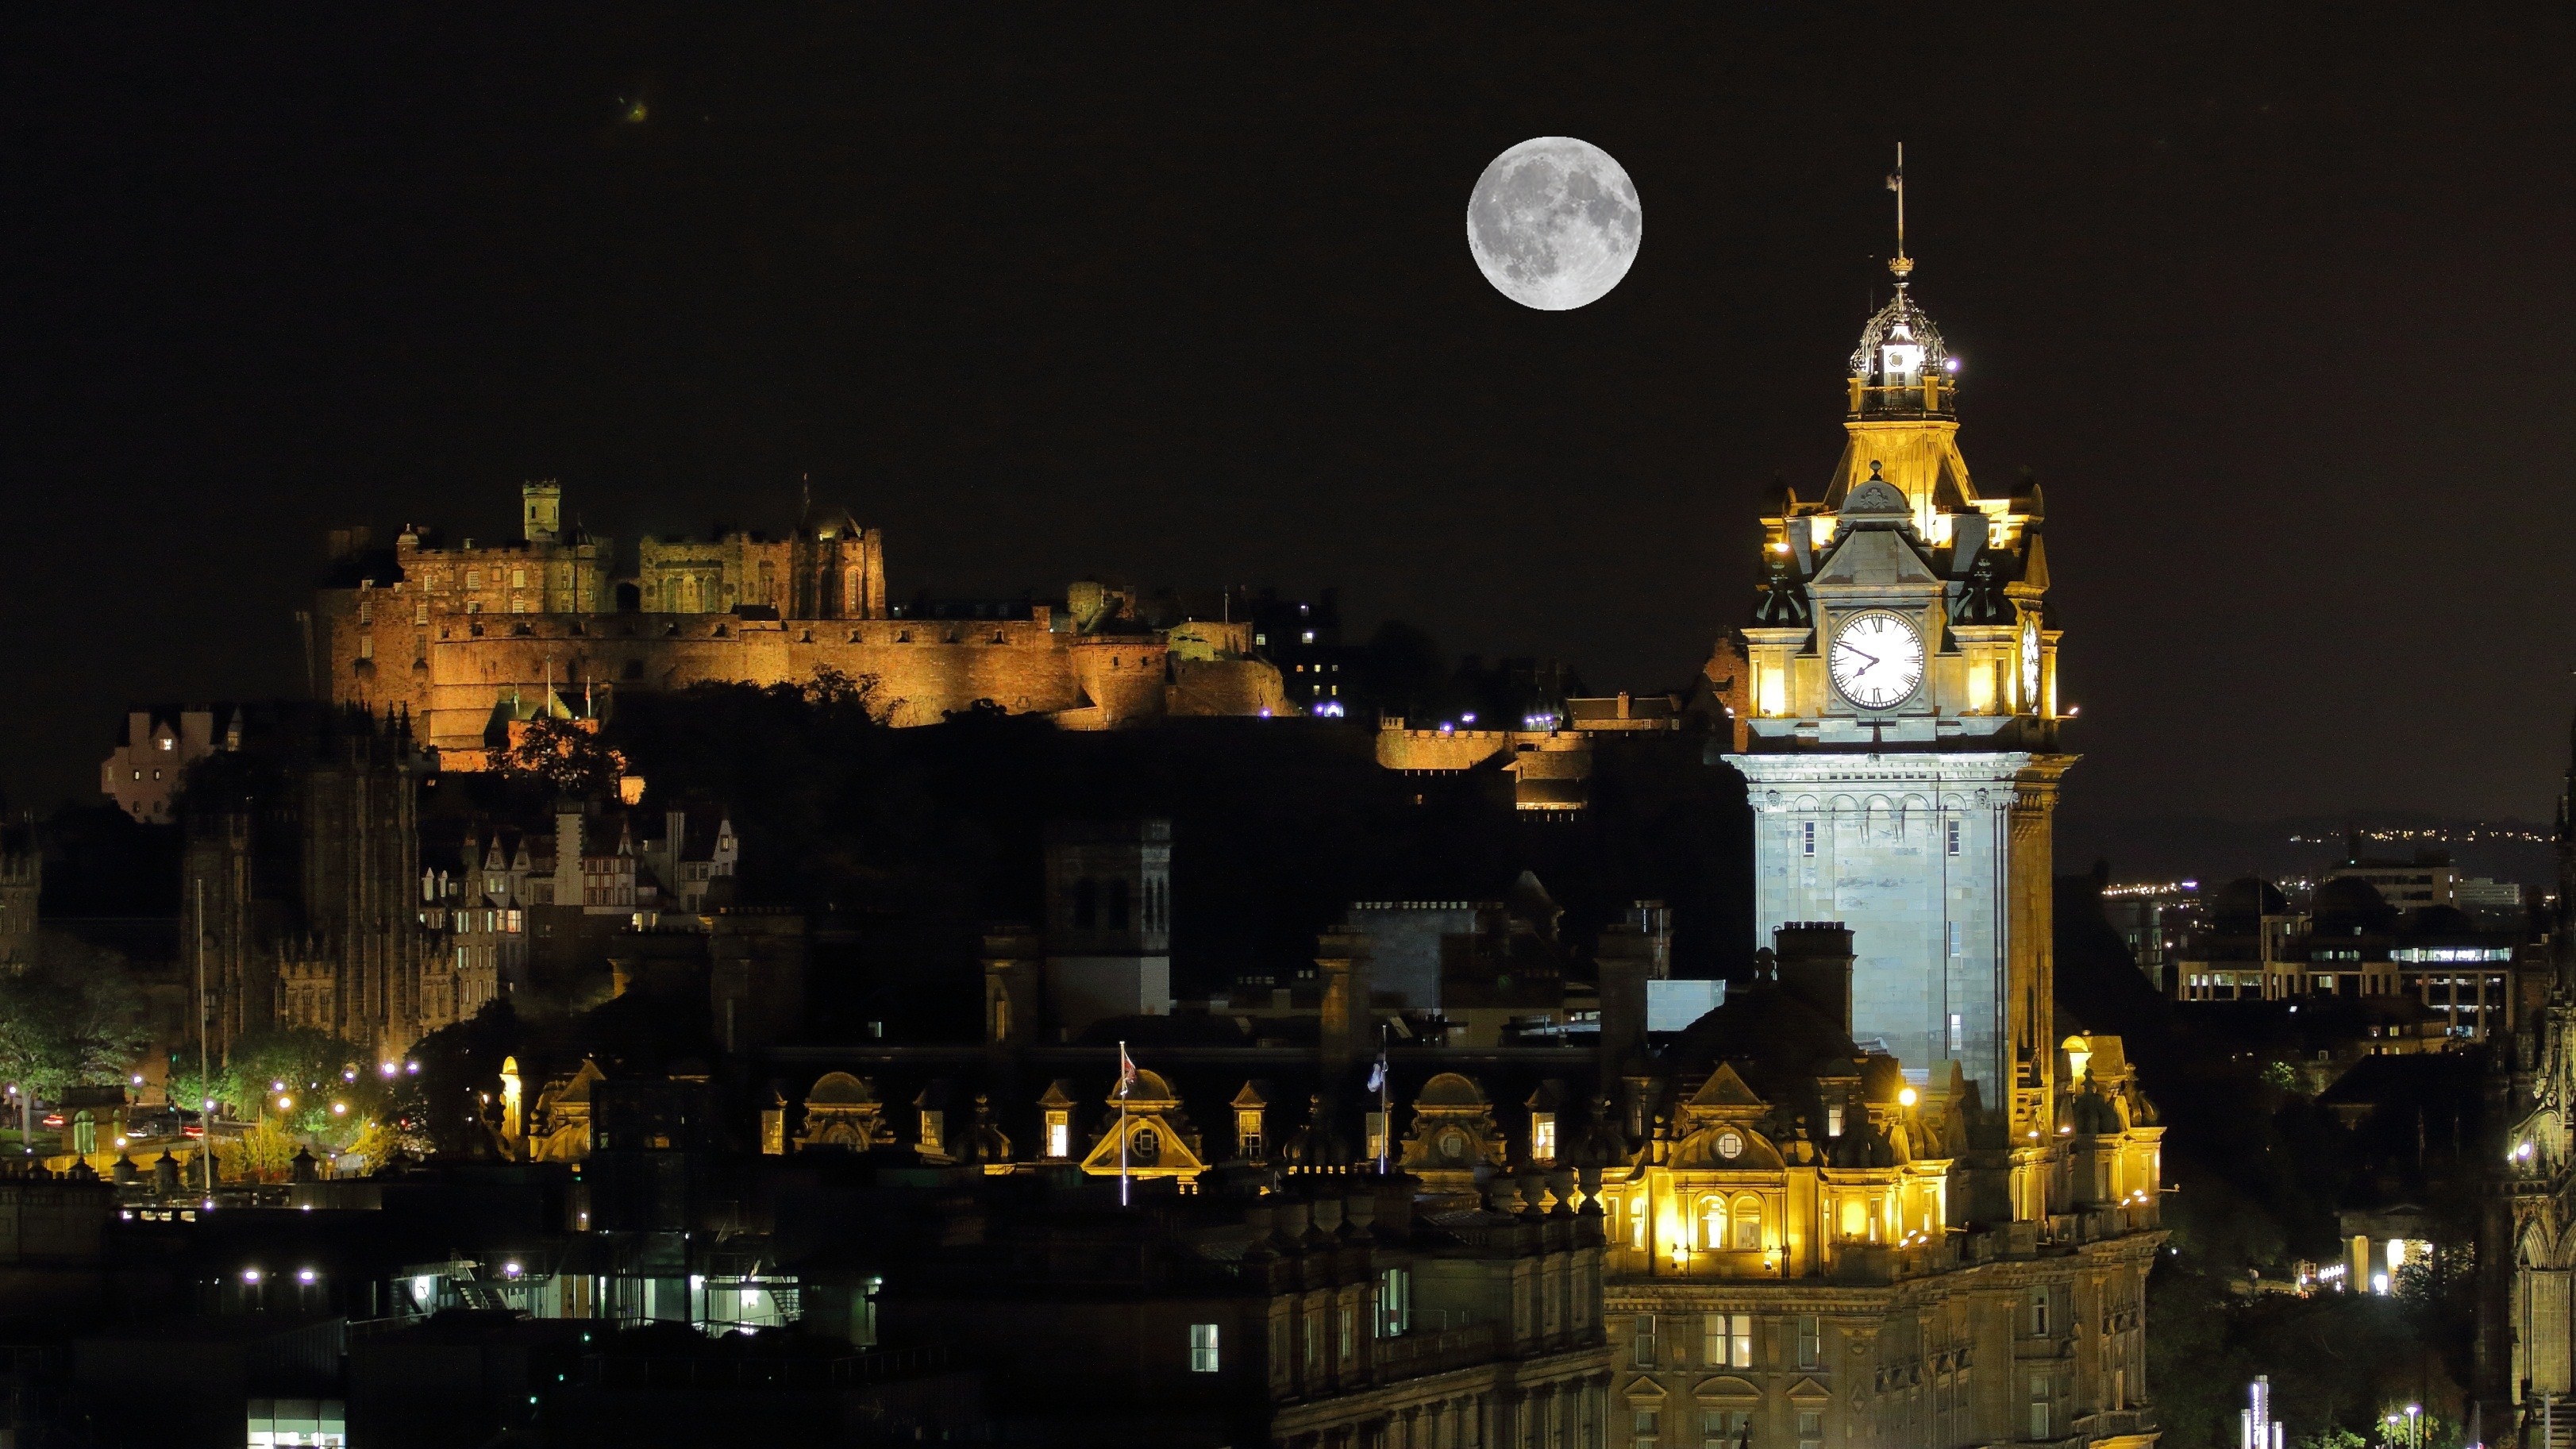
<point x="1126" y="1081"/>
<point x="1385" y="1113"/>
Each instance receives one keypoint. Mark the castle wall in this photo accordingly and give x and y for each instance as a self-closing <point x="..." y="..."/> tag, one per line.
<point x="449" y="633"/>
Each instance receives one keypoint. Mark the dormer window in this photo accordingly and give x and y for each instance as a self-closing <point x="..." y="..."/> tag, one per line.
<point x="1247" y="1132"/>
<point x="1059" y="1133"/>
<point x="933" y="1133"/>
<point x="1543" y="1137"/>
<point x="1833" y="1121"/>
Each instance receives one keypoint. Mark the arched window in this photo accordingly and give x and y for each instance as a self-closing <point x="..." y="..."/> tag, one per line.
<point x="1637" y="1221"/>
<point x="850" y="594"/>
<point x="1748" y="1223"/>
<point x="1712" y="1222"/>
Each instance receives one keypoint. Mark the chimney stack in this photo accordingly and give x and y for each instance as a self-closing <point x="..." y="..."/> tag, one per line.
<point x="1625" y="957"/>
<point x="1012" y="987"/>
<point x="1342" y="965"/>
<point x="1815" y="964"/>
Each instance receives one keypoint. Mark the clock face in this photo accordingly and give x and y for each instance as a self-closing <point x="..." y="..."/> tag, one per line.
<point x="1876" y="659"/>
<point x="2030" y="664"/>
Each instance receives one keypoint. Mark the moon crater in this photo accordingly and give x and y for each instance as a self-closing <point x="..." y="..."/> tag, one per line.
<point x="1554" y="223"/>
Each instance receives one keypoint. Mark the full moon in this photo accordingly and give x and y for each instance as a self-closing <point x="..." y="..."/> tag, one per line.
<point x="1554" y="223"/>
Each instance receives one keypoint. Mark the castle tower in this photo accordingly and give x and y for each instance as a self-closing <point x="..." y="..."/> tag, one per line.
<point x="541" y="511"/>
<point x="1901" y="745"/>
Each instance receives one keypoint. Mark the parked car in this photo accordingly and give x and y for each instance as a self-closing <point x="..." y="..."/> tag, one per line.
<point x="162" y="1122"/>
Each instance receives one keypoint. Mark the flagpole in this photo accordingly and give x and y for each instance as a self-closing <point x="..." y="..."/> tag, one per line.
<point x="1385" y="1112"/>
<point x="1123" y="1073"/>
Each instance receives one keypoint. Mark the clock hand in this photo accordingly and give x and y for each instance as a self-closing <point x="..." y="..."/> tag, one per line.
<point x="1872" y="662"/>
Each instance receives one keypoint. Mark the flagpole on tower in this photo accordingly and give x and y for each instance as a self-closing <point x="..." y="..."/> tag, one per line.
<point x="1126" y="1078"/>
<point x="1901" y="264"/>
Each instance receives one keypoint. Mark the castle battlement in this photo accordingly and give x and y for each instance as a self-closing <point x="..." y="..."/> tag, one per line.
<point x="451" y="634"/>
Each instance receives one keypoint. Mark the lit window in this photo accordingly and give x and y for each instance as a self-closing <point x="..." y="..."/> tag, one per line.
<point x="1729" y="1340"/>
<point x="1203" y="1357"/>
<point x="1833" y="1121"/>
<point x="1748" y="1224"/>
<point x="1060" y="1140"/>
<point x="167" y="743"/>
<point x="1543" y="1137"/>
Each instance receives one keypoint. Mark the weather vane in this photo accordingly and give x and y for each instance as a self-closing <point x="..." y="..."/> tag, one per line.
<point x="1900" y="264"/>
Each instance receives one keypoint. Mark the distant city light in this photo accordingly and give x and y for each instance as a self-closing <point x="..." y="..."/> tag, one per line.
<point x="250" y="1275"/>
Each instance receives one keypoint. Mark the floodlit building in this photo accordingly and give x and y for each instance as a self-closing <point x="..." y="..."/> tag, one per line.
<point x="449" y="632"/>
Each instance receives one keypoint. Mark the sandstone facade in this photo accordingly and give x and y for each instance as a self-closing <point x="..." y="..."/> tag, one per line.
<point x="456" y="635"/>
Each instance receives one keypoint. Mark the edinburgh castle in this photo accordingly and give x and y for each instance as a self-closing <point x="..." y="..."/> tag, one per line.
<point x="464" y="637"/>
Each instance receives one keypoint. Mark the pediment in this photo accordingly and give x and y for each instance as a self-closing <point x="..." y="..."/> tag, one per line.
<point x="1167" y="1153"/>
<point x="1643" y="1387"/>
<point x="1706" y="1149"/>
<point x="1808" y="1391"/>
<point x="1725" y="1089"/>
<point x="1875" y="557"/>
<point x="1727" y="1389"/>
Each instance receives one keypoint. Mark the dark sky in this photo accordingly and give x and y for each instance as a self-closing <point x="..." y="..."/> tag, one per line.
<point x="2275" y="299"/>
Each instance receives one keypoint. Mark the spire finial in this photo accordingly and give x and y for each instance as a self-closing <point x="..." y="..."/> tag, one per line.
<point x="1900" y="264"/>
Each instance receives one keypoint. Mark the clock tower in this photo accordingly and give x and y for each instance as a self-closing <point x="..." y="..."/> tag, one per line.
<point x="1901" y="741"/>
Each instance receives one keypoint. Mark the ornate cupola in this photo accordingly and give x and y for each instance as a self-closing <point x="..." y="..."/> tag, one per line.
<point x="1900" y="369"/>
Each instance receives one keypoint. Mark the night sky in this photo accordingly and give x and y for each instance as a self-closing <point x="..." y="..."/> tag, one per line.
<point x="2275" y="300"/>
